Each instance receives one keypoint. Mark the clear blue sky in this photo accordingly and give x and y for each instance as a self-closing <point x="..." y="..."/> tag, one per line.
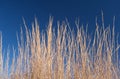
<point x="11" y="13"/>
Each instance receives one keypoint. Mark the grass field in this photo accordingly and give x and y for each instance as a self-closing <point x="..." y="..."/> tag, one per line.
<point x="64" y="53"/>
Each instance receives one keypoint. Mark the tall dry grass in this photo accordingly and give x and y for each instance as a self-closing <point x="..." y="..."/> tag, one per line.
<point x="64" y="54"/>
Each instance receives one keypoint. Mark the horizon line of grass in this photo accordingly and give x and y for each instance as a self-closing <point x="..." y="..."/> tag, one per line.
<point x="63" y="54"/>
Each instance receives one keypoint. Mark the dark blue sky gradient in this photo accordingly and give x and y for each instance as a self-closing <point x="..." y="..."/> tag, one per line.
<point x="11" y="13"/>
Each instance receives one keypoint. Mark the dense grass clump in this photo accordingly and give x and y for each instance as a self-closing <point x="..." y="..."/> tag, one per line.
<point x="64" y="54"/>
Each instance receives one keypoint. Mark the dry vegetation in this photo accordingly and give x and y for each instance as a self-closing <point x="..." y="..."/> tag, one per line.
<point x="64" y="54"/>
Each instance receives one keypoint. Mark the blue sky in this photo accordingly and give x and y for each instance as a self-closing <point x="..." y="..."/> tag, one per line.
<point x="11" y="13"/>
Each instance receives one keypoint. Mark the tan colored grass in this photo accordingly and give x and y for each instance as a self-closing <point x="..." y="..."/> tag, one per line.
<point x="64" y="54"/>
